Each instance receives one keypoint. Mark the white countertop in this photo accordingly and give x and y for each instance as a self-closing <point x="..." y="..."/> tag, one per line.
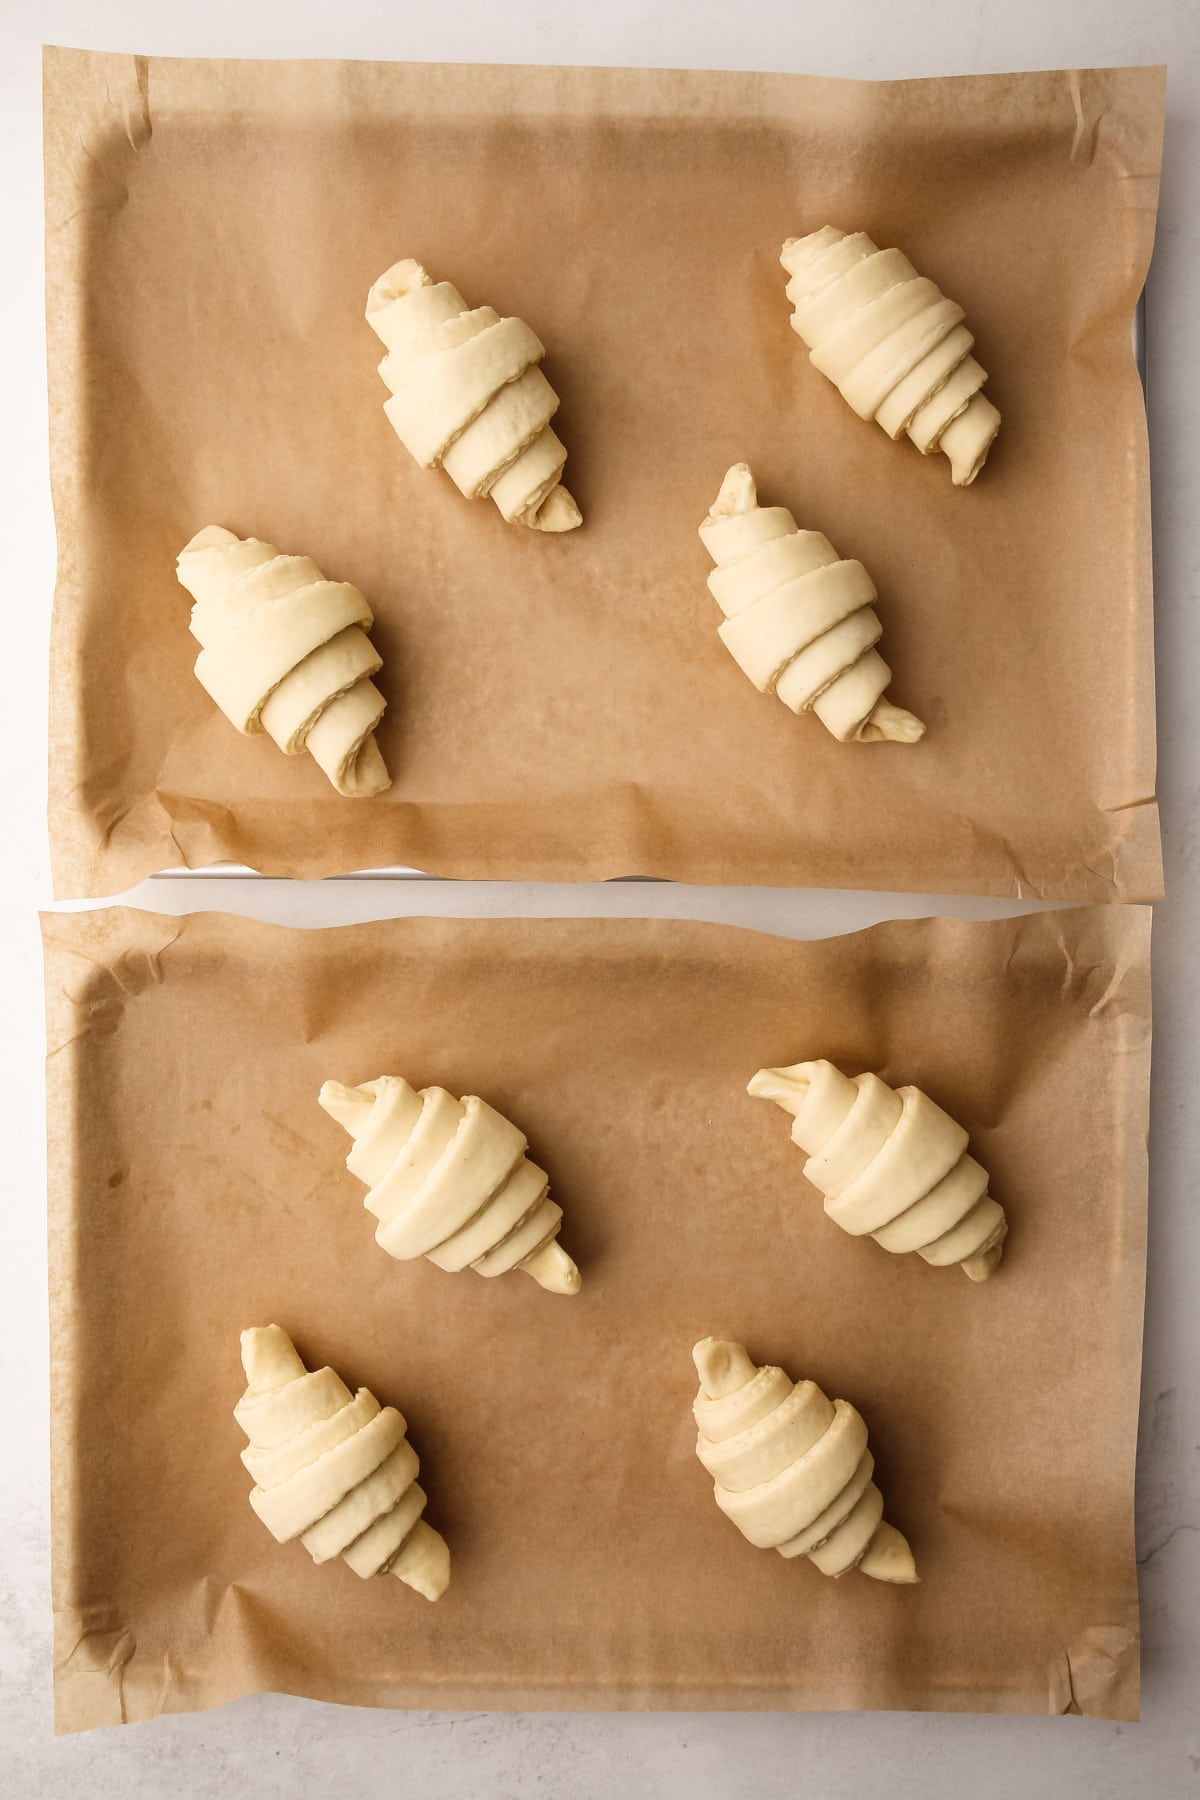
<point x="276" y="1747"/>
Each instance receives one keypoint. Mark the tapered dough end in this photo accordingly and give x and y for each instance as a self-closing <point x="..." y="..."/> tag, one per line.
<point x="787" y="1087"/>
<point x="269" y="1358"/>
<point x="888" y="1557"/>
<point x="208" y="539"/>
<point x="423" y="1561"/>
<point x="986" y="1260"/>
<point x="559" y="511"/>
<point x="395" y="282"/>
<point x="799" y="250"/>
<point x="738" y="494"/>
<point x="723" y="1367"/>
<point x="553" y="1269"/>
<point x="366" y="774"/>
<point x="968" y="438"/>
<point x="350" y="1106"/>
<point x="890" y="724"/>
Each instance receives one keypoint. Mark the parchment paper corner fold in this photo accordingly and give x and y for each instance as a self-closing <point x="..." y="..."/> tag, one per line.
<point x="196" y="1187"/>
<point x="565" y="710"/>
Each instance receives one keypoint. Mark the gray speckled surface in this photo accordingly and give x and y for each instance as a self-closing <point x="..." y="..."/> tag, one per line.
<point x="275" y="1747"/>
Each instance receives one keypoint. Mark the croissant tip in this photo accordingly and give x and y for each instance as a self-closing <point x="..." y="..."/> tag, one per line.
<point x="269" y="1357"/>
<point x="554" y="1270"/>
<point x="348" y="1105"/>
<point x="207" y="538"/>
<point x="890" y="724"/>
<point x="984" y="1262"/>
<point x="786" y="1087"/>
<point x="401" y="279"/>
<point x="363" y="773"/>
<point x="967" y="440"/>
<point x="722" y="1365"/>
<point x="428" y="1590"/>
<point x="738" y="493"/>
<point x="889" y="1558"/>
<point x="558" y="512"/>
<point x="254" y="1334"/>
<point x="423" y="1562"/>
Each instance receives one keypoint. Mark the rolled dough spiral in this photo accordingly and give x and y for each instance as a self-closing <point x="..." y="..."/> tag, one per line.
<point x="449" y="1179"/>
<point x="468" y="395"/>
<point x="893" y="345"/>
<point x="798" y="621"/>
<point x="792" y="1469"/>
<point x="890" y="1163"/>
<point x="334" y="1469"/>
<point x="286" y="652"/>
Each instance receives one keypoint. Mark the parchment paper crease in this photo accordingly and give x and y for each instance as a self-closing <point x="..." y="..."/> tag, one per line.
<point x="197" y="1187"/>
<point x="564" y="709"/>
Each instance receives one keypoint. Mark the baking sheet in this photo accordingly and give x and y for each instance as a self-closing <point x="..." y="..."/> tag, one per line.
<point x="196" y="1188"/>
<point x="564" y="709"/>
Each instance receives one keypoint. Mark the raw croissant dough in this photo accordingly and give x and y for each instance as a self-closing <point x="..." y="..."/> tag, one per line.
<point x="467" y="393"/>
<point x="891" y="1163"/>
<point x="798" y="621"/>
<point x="892" y="343"/>
<point x="286" y="652"/>
<point x="334" y="1469"/>
<point x="449" y="1179"/>
<point x="791" y="1469"/>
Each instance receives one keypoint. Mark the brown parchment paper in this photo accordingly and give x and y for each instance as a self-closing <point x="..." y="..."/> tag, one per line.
<point x="564" y="708"/>
<point x="197" y="1187"/>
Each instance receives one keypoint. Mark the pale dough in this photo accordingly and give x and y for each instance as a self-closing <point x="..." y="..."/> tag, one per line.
<point x="893" y="345"/>
<point x="468" y="396"/>
<point x="334" y="1469"/>
<point x="890" y="1163"/>
<point x="799" y="621"/>
<point x="449" y="1179"/>
<point x="286" y="652"/>
<point x="791" y="1468"/>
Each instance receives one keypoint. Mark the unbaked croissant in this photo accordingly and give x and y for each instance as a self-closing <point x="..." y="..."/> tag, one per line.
<point x="890" y="1163"/>
<point x="286" y="652"/>
<point x="891" y="342"/>
<point x="791" y="1469"/>
<point x="334" y="1469"/>
<point x="468" y="395"/>
<point x="798" y="621"/>
<point x="449" y="1179"/>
